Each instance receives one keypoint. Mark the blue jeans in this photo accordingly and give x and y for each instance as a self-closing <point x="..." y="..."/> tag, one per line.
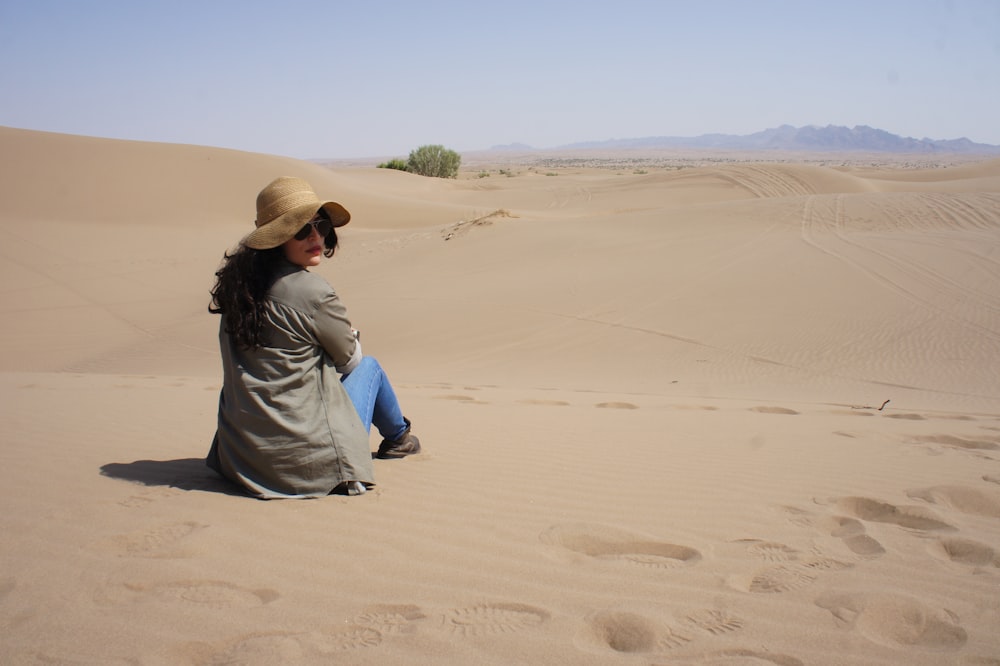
<point x="369" y="389"/>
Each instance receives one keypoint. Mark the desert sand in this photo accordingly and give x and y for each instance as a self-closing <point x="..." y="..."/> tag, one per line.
<point x="733" y="413"/>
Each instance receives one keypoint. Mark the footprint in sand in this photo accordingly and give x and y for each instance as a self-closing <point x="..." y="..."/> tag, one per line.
<point x="789" y="569"/>
<point x="544" y="403"/>
<point x="288" y="647"/>
<point x="714" y="622"/>
<point x="965" y="551"/>
<point x="208" y="593"/>
<point x="772" y="551"/>
<point x="163" y="541"/>
<point x="864" y="545"/>
<point x="876" y="511"/>
<point x="467" y="399"/>
<point x="391" y="619"/>
<point x="786" y="577"/>
<point x="498" y="618"/>
<point x="964" y="443"/>
<point x="737" y="657"/>
<point x="796" y="516"/>
<point x="774" y="410"/>
<point x="961" y="498"/>
<point x="136" y="501"/>
<point x="145" y="497"/>
<point x="852" y="412"/>
<point x="616" y="405"/>
<point x="853" y="535"/>
<point x="631" y="633"/>
<point x="607" y="543"/>
<point x="895" y="621"/>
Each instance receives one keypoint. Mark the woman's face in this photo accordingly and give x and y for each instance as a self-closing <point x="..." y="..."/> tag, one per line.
<point x="306" y="248"/>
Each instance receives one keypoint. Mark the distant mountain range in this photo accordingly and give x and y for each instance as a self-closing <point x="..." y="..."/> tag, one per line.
<point x="831" y="138"/>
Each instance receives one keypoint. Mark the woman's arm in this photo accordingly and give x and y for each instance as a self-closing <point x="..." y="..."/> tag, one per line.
<point x="339" y="340"/>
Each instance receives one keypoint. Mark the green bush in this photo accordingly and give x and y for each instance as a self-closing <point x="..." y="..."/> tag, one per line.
<point x="436" y="161"/>
<point x="397" y="163"/>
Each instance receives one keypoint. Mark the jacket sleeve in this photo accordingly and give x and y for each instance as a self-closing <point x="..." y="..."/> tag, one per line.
<point x="333" y="329"/>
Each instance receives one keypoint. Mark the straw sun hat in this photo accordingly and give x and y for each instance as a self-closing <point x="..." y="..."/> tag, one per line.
<point x="284" y="207"/>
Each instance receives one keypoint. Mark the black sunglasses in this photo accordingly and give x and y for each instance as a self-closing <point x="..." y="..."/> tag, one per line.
<point x="323" y="226"/>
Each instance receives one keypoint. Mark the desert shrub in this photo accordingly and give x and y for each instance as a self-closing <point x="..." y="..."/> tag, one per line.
<point x="397" y="163"/>
<point x="436" y="161"/>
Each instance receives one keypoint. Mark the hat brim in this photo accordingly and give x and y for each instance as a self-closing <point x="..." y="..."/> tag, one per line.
<point x="282" y="229"/>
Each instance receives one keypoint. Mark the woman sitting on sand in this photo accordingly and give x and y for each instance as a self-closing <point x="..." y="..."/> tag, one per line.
<point x="298" y="397"/>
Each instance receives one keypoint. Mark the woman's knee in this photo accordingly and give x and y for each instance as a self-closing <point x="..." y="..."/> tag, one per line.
<point x="371" y="363"/>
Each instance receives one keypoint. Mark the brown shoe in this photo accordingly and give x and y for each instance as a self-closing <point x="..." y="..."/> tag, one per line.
<point x="406" y="445"/>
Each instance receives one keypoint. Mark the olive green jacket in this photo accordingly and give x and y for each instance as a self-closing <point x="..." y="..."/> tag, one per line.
<point x="286" y="426"/>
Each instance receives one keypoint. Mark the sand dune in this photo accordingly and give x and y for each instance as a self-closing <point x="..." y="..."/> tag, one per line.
<point x="746" y="413"/>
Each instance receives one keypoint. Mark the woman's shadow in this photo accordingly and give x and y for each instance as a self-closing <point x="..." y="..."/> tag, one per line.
<point x="183" y="473"/>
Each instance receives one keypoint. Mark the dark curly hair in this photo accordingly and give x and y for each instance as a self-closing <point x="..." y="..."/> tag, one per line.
<point x="241" y="287"/>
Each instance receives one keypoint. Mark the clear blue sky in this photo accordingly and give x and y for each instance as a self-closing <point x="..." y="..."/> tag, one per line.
<point x="356" y="78"/>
